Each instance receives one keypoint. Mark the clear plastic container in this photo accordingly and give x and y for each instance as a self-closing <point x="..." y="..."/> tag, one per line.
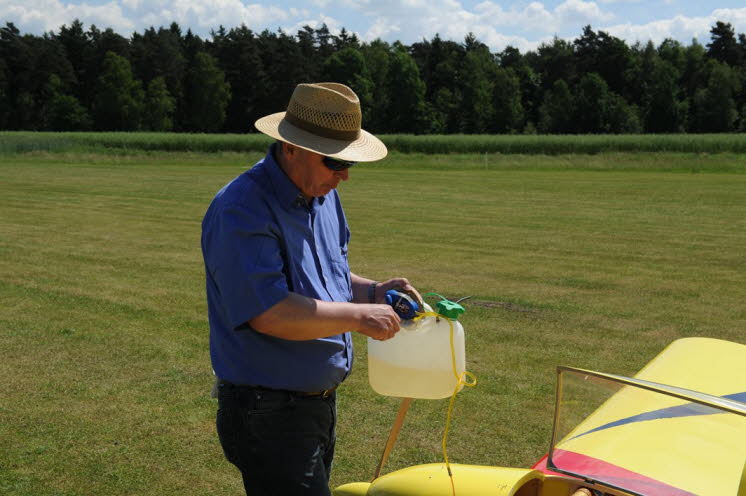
<point x="416" y="362"/>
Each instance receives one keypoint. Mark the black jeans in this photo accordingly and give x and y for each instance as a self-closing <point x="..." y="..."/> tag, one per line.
<point x="282" y="442"/>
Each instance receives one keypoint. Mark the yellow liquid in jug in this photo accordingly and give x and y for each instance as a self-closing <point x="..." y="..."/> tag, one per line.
<point x="391" y="380"/>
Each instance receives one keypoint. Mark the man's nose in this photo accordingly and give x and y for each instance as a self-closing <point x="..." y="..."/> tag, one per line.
<point x="344" y="175"/>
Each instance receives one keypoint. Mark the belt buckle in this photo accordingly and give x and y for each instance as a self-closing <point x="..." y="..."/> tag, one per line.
<point x="328" y="392"/>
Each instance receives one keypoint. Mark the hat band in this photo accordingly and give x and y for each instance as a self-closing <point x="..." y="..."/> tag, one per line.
<point x="323" y="132"/>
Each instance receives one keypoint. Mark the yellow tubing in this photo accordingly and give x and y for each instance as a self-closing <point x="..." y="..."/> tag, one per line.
<point x="460" y="381"/>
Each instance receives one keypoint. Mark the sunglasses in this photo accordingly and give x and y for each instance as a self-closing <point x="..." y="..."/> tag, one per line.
<point x="336" y="164"/>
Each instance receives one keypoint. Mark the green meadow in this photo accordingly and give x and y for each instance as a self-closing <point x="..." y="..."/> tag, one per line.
<point x="117" y="143"/>
<point x="591" y="260"/>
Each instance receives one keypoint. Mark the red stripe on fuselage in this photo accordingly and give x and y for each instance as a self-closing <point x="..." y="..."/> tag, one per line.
<point x="593" y="468"/>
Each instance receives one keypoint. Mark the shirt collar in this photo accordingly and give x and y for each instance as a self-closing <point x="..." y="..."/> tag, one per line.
<point x="285" y="189"/>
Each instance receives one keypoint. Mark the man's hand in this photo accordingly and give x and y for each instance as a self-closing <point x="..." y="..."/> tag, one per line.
<point x="400" y="284"/>
<point x="379" y="322"/>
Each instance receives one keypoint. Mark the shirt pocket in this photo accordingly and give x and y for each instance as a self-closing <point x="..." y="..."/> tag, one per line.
<point x="341" y="269"/>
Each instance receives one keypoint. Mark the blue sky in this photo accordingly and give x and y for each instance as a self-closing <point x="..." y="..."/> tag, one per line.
<point x="498" y="23"/>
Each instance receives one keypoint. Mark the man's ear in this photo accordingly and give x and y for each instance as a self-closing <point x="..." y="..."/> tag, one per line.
<point x="288" y="149"/>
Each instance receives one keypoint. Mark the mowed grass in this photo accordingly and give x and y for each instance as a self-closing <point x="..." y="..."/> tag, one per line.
<point x="593" y="261"/>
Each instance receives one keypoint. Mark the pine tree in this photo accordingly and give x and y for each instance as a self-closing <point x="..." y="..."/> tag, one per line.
<point x="477" y="75"/>
<point x="4" y="100"/>
<point x="553" y="62"/>
<point x="238" y="53"/>
<point x="724" y="46"/>
<point x="440" y="64"/>
<point x="605" y="55"/>
<point x="530" y="85"/>
<point x="19" y="78"/>
<point x="79" y="50"/>
<point x="160" y="54"/>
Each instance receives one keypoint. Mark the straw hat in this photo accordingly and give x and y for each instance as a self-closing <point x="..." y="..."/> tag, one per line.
<point x="324" y="118"/>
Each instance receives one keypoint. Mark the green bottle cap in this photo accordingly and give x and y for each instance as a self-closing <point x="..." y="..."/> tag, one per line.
<point x="449" y="309"/>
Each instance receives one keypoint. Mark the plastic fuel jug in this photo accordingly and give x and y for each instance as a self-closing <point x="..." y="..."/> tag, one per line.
<point x="418" y="361"/>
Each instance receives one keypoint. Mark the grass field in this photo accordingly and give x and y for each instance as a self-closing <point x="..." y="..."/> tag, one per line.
<point x="594" y="261"/>
<point x="119" y="143"/>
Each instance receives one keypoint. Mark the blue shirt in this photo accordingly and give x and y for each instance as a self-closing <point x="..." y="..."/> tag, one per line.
<point x="261" y="240"/>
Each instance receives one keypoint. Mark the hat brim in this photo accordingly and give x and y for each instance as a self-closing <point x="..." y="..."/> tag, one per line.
<point x="367" y="148"/>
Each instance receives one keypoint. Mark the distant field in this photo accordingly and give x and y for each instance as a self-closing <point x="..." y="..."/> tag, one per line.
<point x="597" y="261"/>
<point x="12" y="142"/>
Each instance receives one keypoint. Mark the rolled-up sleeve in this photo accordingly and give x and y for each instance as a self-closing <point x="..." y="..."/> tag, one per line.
<point x="244" y="260"/>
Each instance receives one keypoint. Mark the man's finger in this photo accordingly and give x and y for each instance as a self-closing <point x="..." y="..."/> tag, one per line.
<point x="412" y="292"/>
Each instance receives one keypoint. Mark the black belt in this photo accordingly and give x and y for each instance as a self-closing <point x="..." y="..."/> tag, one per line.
<point x="302" y="394"/>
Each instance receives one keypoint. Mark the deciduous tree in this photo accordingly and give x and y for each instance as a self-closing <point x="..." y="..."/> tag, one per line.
<point x="664" y="112"/>
<point x="207" y="95"/>
<point x="63" y="112"/>
<point x="406" y="106"/>
<point x="119" y="96"/>
<point x="506" y="103"/>
<point x="376" y="56"/>
<point x="347" y="66"/>
<point x="557" y="110"/>
<point x="715" y="108"/>
<point x="159" y="106"/>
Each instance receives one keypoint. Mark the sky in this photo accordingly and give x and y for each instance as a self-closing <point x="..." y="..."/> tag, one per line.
<point x="523" y="24"/>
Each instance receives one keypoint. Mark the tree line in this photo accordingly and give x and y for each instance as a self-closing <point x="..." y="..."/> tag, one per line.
<point x="81" y="79"/>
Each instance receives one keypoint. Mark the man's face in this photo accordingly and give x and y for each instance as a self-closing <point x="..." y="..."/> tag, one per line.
<point x="314" y="178"/>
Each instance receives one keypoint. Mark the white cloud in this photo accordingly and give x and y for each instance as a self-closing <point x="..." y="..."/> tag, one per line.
<point x="580" y="13"/>
<point x="491" y="23"/>
<point x="532" y="17"/>
<point x="680" y="27"/>
<point x="379" y="29"/>
<point x="201" y="16"/>
<point x="535" y="17"/>
<point x="37" y="16"/>
<point x="523" y="24"/>
<point x="498" y="26"/>
<point x="44" y="15"/>
<point x="132" y="4"/>
<point x="293" y="12"/>
<point x="737" y="17"/>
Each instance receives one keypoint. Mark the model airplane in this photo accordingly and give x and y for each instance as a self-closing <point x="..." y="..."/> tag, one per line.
<point x="677" y="428"/>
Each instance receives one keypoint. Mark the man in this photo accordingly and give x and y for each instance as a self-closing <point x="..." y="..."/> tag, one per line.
<point x="281" y="298"/>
